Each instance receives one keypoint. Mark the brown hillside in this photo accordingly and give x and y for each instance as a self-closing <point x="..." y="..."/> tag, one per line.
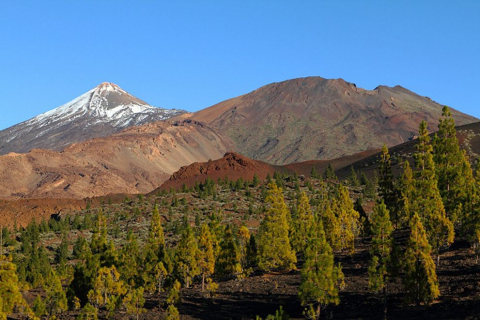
<point x="235" y="166"/>
<point x="137" y="160"/>
<point x="231" y="165"/>
<point x="315" y="118"/>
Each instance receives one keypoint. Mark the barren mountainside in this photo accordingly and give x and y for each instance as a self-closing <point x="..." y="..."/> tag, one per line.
<point x="102" y="111"/>
<point x="315" y="118"/>
<point x="137" y="160"/>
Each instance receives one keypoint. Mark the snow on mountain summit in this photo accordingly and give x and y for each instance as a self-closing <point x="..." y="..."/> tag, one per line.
<point x="104" y="110"/>
<point x="106" y="102"/>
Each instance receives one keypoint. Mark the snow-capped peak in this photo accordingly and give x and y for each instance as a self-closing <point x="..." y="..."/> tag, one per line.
<point x="105" y="103"/>
<point x="103" y="110"/>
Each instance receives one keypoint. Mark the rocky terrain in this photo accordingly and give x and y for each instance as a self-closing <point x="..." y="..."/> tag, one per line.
<point x="136" y="160"/>
<point x="100" y="112"/>
<point x="317" y="119"/>
<point x="236" y="166"/>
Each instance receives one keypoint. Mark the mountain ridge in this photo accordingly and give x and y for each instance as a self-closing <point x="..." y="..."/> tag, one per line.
<point x="315" y="118"/>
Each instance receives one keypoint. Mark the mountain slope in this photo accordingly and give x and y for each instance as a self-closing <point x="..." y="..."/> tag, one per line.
<point x="104" y="110"/>
<point x="468" y="138"/>
<point x="315" y="118"/>
<point x="136" y="160"/>
<point x="234" y="166"/>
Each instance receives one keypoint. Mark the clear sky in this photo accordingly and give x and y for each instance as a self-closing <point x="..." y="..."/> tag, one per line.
<point x="193" y="54"/>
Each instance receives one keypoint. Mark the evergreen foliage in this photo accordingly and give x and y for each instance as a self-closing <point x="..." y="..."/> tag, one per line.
<point x="207" y="254"/>
<point x="187" y="256"/>
<point x="10" y="296"/>
<point x="301" y="223"/>
<point x="426" y="199"/>
<point x="381" y="230"/>
<point x="108" y="289"/>
<point x="448" y="164"/>
<point x="274" y="250"/>
<point x="56" y="300"/>
<point x="134" y="302"/>
<point x="420" y="280"/>
<point x="228" y="262"/>
<point x="329" y="173"/>
<point x="321" y="279"/>
<point x="386" y="186"/>
<point x="347" y="219"/>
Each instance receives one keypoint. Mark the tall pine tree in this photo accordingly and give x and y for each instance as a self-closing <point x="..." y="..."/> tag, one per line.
<point x="448" y="164"/>
<point x="420" y="280"/>
<point x="381" y="230"/>
<point x="426" y="200"/>
<point x="321" y="279"/>
<point x="274" y="249"/>
<point x="301" y="223"/>
<point x="386" y="186"/>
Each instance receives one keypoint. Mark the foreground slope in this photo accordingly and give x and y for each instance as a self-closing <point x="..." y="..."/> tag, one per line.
<point x="315" y="118"/>
<point x="104" y="110"/>
<point x="136" y="160"/>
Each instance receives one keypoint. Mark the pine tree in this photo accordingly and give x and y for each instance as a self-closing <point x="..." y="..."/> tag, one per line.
<point x="61" y="255"/>
<point x="320" y="278"/>
<point x="88" y="312"/>
<point x="207" y="254"/>
<point x="156" y="237"/>
<point x="426" y="199"/>
<point x="347" y="219"/>
<point x="467" y="198"/>
<point x="134" y="302"/>
<point x="187" y="256"/>
<point x="251" y="256"/>
<point x="420" y="279"/>
<point x="301" y="224"/>
<point x="172" y="313"/>
<point x="331" y="224"/>
<point x="243" y="237"/>
<point x="174" y="294"/>
<point x="129" y="260"/>
<point x="155" y="262"/>
<point x="386" y="185"/>
<point x="353" y="178"/>
<point x="99" y="244"/>
<point x="407" y="192"/>
<point x="329" y="173"/>
<point x="448" y="160"/>
<point x="228" y="262"/>
<point x="108" y="289"/>
<point x="274" y="250"/>
<point x="381" y="229"/>
<point x="10" y="296"/>
<point x="81" y="249"/>
<point x="56" y="300"/>
<point x="471" y="223"/>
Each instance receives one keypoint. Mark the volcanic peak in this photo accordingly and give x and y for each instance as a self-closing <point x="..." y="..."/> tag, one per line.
<point x="101" y="111"/>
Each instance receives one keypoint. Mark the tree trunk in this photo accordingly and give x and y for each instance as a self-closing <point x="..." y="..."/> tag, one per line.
<point x="203" y="282"/>
<point x="385" y="302"/>
<point x="318" y="311"/>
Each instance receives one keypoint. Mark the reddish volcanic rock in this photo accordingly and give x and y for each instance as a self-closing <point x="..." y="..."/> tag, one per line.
<point x="231" y="165"/>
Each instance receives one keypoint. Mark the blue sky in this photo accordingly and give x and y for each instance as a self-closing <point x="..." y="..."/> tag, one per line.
<point x="193" y="54"/>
